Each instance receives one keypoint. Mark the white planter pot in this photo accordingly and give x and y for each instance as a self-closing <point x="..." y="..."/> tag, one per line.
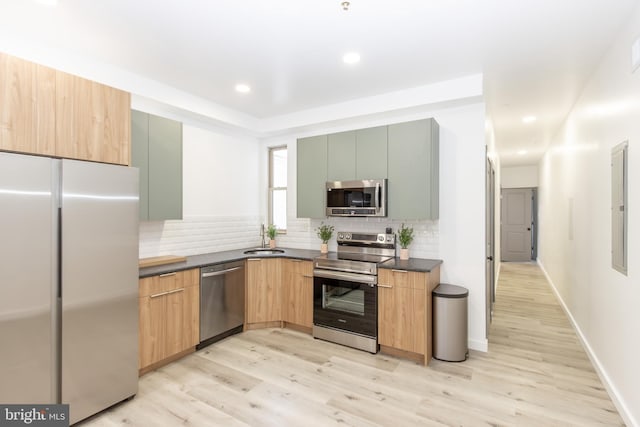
<point x="272" y="243"/>
<point x="404" y="254"/>
<point x="324" y="248"/>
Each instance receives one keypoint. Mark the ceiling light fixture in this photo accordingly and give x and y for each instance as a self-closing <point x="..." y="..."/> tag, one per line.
<point x="351" y="58"/>
<point x="522" y="152"/>
<point x="529" y="119"/>
<point x="345" y="5"/>
<point x="243" y="88"/>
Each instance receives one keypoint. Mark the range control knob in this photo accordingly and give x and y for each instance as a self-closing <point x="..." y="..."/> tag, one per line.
<point x="380" y="238"/>
<point x="347" y="236"/>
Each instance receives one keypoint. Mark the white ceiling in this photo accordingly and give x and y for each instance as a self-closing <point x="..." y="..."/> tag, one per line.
<point x="536" y="55"/>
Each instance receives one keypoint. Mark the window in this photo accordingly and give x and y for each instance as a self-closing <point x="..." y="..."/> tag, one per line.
<point x="619" y="214"/>
<point x="278" y="187"/>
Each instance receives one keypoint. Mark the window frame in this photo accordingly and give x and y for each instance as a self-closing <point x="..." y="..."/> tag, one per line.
<point x="271" y="188"/>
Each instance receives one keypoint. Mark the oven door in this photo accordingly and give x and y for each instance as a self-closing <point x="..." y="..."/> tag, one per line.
<point x="346" y="301"/>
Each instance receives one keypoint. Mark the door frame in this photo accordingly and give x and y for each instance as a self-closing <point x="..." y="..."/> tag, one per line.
<point x="490" y="261"/>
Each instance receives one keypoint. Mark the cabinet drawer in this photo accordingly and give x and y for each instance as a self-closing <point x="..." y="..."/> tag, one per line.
<point x="402" y="279"/>
<point x="168" y="282"/>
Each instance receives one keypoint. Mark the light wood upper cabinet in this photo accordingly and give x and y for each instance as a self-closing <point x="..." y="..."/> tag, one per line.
<point x="297" y="302"/>
<point x="48" y="112"/>
<point x="169" y="315"/>
<point x="264" y="290"/>
<point x="27" y="106"/>
<point x="404" y="310"/>
<point x="92" y="121"/>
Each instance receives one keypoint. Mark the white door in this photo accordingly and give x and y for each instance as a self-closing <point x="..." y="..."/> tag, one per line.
<point x="516" y="224"/>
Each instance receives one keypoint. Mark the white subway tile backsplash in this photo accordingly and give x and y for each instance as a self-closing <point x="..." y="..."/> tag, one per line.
<point x="198" y="235"/>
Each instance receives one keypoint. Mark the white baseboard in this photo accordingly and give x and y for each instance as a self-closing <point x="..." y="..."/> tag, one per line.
<point x="618" y="401"/>
<point x="479" y="345"/>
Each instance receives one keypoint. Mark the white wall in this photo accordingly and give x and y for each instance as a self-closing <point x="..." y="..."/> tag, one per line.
<point x="575" y="243"/>
<point x="519" y="176"/>
<point x="458" y="238"/>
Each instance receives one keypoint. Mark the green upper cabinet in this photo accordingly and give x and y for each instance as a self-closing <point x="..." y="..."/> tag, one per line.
<point x="157" y="151"/>
<point x="311" y="176"/>
<point x="140" y="157"/>
<point x="413" y="171"/>
<point x="371" y="153"/>
<point x="341" y="156"/>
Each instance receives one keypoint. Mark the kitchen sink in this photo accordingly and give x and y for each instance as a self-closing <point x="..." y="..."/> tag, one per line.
<point x="264" y="251"/>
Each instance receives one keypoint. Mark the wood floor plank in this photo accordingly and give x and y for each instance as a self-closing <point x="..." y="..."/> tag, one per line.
<point x="535" y="374"/>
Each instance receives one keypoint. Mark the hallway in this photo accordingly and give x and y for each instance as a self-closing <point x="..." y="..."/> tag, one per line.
<point x="543" y="363"/>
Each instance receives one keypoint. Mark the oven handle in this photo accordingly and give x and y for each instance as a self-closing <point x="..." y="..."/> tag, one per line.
<point x="377" y="197"/>
<point x="343" y="275"/>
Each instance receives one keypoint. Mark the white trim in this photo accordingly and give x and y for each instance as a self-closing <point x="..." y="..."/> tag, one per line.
<point x="617" y="399"/>
<point x="479" y="345"/>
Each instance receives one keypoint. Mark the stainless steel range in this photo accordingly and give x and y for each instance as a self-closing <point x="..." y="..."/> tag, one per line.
<point x="345" y="302"/>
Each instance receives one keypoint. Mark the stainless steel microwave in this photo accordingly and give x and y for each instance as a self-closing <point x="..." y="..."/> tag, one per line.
<point x="366" y="197"/>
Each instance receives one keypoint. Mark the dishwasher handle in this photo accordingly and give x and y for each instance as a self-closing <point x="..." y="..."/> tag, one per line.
<point x="220" y="273"/>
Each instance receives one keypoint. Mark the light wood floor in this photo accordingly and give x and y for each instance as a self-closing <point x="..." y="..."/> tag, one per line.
<point x="535" y="374"/>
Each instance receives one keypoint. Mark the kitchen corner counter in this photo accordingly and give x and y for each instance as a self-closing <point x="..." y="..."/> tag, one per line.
<point x="411" y="264"/>
<point x="197" y="261"/>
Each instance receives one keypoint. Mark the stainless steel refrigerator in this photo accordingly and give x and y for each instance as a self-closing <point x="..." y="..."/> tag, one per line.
<point x="68" y="283"/>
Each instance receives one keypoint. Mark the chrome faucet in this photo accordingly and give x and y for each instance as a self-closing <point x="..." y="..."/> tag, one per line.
<point x="262" y="234"/>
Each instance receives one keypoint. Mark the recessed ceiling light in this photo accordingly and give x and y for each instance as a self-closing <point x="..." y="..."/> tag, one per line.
<point x="529" y="119"/>
<point x="243" y="88"/>
<point x="522" y="152"/>
<point x="48" y="2"/>
<point x="351" y="58"/>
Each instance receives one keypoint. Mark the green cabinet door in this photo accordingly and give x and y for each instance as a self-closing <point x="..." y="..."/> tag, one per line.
<point x="371" y="153"/>
<point x="311" y="176"/>
<point x="341" y="156"/>
<point x="165" y="169"/>
<point x="140" y="157"/>
<point x="156" y="149"/>
<point x="413" y="172"/>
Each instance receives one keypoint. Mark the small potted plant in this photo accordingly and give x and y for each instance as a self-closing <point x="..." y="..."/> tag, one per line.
<point x="324" y="233"/>
<point x="405" y="237"/>
<point x="271" y="232"/>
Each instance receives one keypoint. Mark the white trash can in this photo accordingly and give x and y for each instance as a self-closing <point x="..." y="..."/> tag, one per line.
<point x="450" y="334"/>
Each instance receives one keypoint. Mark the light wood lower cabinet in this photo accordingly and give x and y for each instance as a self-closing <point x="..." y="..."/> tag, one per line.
<point x="264" y="292"/>
<point x="297" y="296"/>
<point x="404" y="312"/>
<point x="169" y="317"/>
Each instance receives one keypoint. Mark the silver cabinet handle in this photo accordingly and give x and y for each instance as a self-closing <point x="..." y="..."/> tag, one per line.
<point x="306" y="276"/>
<point x="167" y="293"/>
<point x="377" y="196"/>
<point x="254" y="259"/>
<point x="399" y="271"/>
<point x="385" y="286"/>
<point x="168" y="274"/>
<point x="220" y="273"/>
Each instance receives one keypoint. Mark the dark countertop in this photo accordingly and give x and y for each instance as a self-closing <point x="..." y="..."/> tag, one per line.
<point x="197" y="261"/>
<point x="411" y="264"/>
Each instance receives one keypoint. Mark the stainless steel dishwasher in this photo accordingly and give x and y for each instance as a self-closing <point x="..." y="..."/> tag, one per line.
<point x="221" y="301"/>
